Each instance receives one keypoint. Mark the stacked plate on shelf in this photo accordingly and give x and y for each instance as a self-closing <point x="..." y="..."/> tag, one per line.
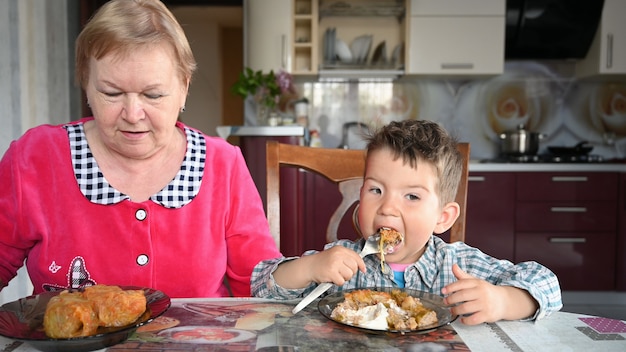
<point x="337" y="51"/>
<point x="361" y="48"/>
<point x="329" y="45"/>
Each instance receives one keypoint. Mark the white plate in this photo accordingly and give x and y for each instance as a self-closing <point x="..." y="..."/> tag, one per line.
<point x="343" y="51"/>
<point x="360" y="47"/>
<point x="395" y="55"/>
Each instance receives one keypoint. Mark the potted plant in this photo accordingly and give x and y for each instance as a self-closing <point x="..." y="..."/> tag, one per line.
<point x="262" y="86"/>
<point x="268" y="90"/>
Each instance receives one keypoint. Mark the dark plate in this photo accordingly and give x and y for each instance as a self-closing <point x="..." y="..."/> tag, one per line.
<point x="23" y="320"/>
<point x="429" y="300"/>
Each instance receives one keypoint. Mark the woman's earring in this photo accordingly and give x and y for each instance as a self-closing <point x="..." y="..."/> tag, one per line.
<point x="182" y="109"/>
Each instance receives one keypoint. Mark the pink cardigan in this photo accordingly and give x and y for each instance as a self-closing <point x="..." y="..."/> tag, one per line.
<point x="68" y="240"/>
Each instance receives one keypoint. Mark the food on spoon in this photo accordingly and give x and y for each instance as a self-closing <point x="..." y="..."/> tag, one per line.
<point x="389" y="240"/>
<point x="78" y="314"/>
<point x="377" y="310"/>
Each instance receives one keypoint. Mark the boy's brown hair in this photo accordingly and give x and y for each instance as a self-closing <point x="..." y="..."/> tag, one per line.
<point x="423" y="141"/>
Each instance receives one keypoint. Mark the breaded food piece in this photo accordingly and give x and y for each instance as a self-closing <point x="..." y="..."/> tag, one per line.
<point x="70" y="315"/>
<point x="403" y="311"/>
<point x="77" y="314"/>
<point x="116" y="307"/>
<point x="389" y="239"/>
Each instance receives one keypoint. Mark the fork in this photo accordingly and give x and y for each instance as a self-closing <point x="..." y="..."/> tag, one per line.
<point x="371" y="247"/>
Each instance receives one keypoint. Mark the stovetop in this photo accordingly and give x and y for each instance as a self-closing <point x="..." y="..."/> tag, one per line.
<point x="548" y="158"/>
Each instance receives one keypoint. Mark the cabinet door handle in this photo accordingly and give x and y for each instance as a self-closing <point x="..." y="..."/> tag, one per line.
<point x="609" y="50"/>
<point x="476" y="178"/>
<point x="568" y="209"/>
<point x="457" y="66"/>
<point x="569" y="179"/>
<point x="283" y="52"/>
<point x="568" y="240"/>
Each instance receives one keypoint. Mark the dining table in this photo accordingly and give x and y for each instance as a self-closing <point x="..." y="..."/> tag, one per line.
<point x="264" y="325"/>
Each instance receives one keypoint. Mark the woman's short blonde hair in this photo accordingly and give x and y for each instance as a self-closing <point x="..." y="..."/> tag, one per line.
<point x="122" y="26"/>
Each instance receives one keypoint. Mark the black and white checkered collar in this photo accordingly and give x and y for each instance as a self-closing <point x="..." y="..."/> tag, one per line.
<point x="180" y="191"/>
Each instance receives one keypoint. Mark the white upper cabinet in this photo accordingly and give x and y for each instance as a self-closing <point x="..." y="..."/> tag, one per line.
<point x="607" y="54"/>
<point x="268" y="34"/>
<point x="456" y="37"/>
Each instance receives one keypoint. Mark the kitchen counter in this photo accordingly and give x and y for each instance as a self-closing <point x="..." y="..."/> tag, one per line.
<point x="263" y="131"/>
<point x="478" y="166"/>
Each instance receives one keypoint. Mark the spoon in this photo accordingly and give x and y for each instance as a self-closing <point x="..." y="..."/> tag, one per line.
<point x="371" y="247"/>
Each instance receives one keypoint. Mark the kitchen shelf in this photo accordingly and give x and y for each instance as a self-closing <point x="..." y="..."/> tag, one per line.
<point x="304" y="42"/>
<point x="371" y="8"/>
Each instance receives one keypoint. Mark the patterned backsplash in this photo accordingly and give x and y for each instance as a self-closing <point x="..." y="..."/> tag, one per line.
<point x="543" y="96"/>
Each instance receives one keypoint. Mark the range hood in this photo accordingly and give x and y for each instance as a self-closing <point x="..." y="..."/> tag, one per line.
<point x="551" y="29"/>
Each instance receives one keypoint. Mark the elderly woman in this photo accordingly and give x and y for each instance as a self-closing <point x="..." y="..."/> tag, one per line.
<point x="131" y="196"/>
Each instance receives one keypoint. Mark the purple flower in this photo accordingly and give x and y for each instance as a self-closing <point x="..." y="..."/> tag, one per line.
<point x="285" y="82"/>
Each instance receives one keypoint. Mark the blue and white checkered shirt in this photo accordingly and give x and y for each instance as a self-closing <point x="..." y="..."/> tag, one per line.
<point x="92" y="183"/>
<point x="430" y="273"/>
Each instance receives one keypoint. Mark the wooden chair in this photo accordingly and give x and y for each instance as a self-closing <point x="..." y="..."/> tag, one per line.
<point x="344" y="167"/>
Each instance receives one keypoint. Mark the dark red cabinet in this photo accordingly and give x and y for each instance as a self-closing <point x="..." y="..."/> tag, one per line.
<point x="573" y="223"/>
<point x="491" y="213"/>
<point x="568" y="222"/>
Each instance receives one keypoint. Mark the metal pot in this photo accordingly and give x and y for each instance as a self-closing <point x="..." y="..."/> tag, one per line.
<point x="520" y="142"/>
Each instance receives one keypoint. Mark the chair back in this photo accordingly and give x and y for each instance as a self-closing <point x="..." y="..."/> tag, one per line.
<point x="344" y="167"/>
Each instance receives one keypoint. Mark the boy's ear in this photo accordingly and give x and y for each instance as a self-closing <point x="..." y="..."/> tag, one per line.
<point x="449" y="214"/>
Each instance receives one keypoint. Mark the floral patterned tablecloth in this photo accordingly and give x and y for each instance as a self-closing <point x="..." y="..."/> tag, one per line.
<point x="194" y="325"/>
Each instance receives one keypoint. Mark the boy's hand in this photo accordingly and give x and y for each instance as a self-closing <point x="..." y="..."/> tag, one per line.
<point x="476" y="301"/>
<point x="336" y="264"/>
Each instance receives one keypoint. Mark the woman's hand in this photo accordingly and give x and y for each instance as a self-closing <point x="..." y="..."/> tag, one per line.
<point x="477" y="301"/>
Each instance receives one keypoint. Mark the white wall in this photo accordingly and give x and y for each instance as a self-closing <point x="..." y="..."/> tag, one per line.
<point x="36" y="82"/>
<point x="202" y="26"/>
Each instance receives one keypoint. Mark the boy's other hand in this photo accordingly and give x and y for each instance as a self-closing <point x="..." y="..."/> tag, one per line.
<point x="476" y="301"/>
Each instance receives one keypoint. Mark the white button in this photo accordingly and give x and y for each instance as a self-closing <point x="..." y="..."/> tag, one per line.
<point x="141" y="214"/>
<point x="142" y="260"/>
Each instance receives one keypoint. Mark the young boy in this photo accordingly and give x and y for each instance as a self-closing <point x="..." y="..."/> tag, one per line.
<point x="412" y="173"/>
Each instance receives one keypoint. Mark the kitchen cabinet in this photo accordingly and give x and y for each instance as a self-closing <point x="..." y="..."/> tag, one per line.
<point x="416" y="37"/>
<point x="456" y="37"/>
<point x="607" y="54"/>
<point x="491" y="213"/>
<point x="349" y="21"/>
<point x="268" y="34"/>
<point x="282" y="35"/>
<point x="304" y="47"/>
<point x="574" y="223"/>
<point x="568" y="222"/>
<point x="620" y="268"/>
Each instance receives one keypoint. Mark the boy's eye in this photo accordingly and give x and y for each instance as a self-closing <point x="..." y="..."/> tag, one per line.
<point x="412" y="197"/>
<point x="375" y="190"/>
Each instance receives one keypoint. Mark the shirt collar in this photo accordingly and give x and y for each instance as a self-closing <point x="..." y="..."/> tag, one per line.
<point x="94" y="186"/>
